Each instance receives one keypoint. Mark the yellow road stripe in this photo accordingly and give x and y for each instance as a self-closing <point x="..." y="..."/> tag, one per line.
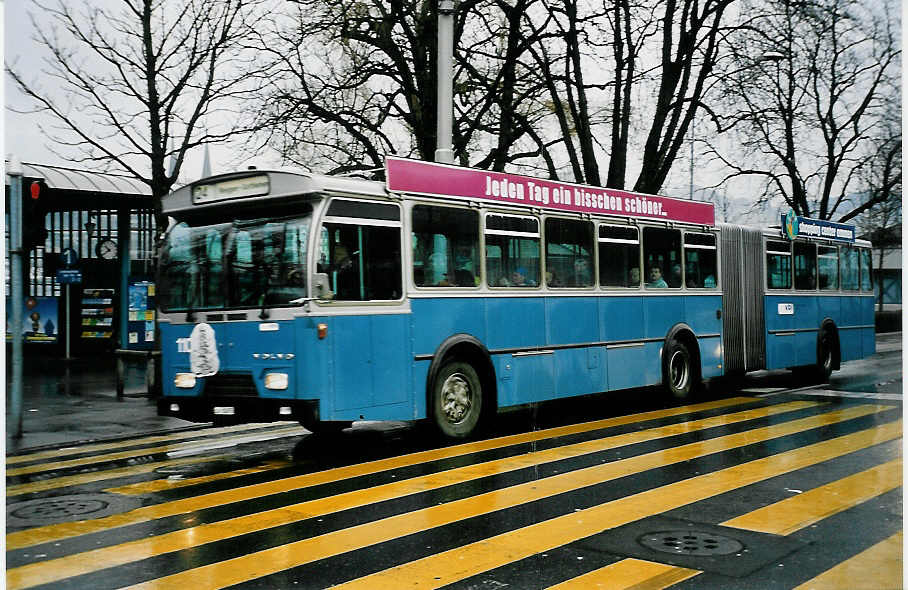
<point x="83" y="478"/>
<point x="73" y="565"/>
<point x="159" y="485"/>
<point x="291" y="430"/>
<point x="797" y="512"/>
<point x="60" y="531"/>
<point x="780" y="518"/>
<point x="466" y="561"/>
<point x="64" y="452"/>
<point x="630" y="574"/>
<point x="877" y="568"/>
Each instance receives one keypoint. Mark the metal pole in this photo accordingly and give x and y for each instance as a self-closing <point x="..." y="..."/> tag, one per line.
<point x="444" y="151"/>
<point x="68" y="325"/>
<point x="124" y="229"/>
<point x="14" y="171"/>
<point x="692" y="121"/>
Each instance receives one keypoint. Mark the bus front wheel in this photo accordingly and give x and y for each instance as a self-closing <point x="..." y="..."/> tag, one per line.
<point x="456" y="400"/>
<point x="679" y="375"/>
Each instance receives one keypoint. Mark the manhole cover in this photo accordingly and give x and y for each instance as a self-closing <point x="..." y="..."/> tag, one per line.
<point x="690" y="542"/>
<point x="67" y="509"/>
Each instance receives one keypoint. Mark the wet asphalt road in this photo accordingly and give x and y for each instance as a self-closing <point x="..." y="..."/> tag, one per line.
<point x="779" y="483"/>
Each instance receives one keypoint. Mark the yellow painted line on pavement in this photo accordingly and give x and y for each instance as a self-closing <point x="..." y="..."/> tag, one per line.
<point x="635" y="574"/>
<point x="83" y="478"/>
<point x="780" y="518"/>
<point x="797" y="512"/>
<point x="160" y="485"/>
<point x="186" y="446"/>
<point x="67" y="451"/>
<point x="469" y="560"/>
<point x="403" y="524"/>
<point x="77" y="564"/>
<point x="876" y="568"/>
<point x="56" y="532"/>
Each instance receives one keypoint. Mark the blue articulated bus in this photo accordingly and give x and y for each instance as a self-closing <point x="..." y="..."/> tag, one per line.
<point x="449" y="294"/>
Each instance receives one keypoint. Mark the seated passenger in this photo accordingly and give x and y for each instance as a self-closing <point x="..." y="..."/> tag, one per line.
<point x="519" y="277"/>
<point x="464" y="278"/>
<point x="655" y="278"/>
<point x="582" y="275"/>
<point x="674" y="280"/>
<point x="633" y="277"/>
<point x="709" y="281"/>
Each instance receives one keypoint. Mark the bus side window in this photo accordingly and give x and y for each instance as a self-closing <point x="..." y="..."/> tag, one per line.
<point x="512" y="250"/>
<point x="805" y="266"/>
<point x="866" y="268"/>
<point x="362" y="260"/>
<point x="850" y="271"/>
<point x="828" y="267"/>
<point x="568" y="253"/>
<point x="778" y="265"/>
<point x="445" y="247"/>
<point x="619" y="256"/>
<point x="662" y="257"/>
<point x="700" y="260"/>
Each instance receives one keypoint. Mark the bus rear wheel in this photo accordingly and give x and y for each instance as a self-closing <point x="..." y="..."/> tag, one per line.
<point x="456" y="403"/>
<point x="679" y="374"/>
<point x="825" y="357"/>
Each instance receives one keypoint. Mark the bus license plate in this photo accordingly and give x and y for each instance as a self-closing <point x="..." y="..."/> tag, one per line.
<point x="223" y="411"/>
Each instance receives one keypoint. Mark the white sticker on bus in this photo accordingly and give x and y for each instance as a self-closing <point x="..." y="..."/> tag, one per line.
<point x="786" y="308"/>
<point x="203" y="356"/>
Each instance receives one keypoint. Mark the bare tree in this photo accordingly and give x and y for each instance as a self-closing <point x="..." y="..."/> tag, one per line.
<point x="130" y="87"/>
<point x="805" y="87"/>
<point x="354" y="81"/>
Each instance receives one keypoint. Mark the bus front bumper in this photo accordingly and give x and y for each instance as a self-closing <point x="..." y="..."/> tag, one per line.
<point x="235" y="410"/>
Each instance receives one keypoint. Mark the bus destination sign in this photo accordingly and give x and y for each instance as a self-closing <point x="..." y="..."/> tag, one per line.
<point x="251" y="186"/>
<point x="795" y="225"/>
<point x="429" y="178"/>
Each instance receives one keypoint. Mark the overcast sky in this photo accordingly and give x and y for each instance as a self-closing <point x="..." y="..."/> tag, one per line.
<point x="22" y="137"/>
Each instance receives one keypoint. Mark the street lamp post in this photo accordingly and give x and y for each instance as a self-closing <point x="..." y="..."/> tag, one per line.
<point x="444" y="144"/>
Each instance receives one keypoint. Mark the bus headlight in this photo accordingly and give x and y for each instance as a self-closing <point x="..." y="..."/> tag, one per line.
<point x="276" y="380"/>
<point x="184" y="380"/>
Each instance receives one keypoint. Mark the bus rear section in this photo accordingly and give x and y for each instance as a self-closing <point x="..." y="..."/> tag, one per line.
<point x="801" y="301"/>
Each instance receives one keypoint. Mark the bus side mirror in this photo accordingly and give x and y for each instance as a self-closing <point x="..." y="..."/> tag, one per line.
<point x="321" y="288"/>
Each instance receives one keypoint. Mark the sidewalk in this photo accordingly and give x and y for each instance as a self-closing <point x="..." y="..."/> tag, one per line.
<point x="91" y="411"/>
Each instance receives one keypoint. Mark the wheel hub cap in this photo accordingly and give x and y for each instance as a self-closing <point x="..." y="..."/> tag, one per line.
<point x="457" y="398"/>
<point x="679" y="370"/>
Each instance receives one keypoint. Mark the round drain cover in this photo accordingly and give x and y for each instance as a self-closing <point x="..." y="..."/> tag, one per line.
<point x="690" y="543"/>
<point x="67" y="509"/>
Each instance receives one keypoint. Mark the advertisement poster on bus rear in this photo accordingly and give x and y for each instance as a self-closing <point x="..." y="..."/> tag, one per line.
<point x="40" y="323"/>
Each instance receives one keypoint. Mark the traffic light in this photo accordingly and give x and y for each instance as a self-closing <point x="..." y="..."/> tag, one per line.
<point x="34" y="226"/>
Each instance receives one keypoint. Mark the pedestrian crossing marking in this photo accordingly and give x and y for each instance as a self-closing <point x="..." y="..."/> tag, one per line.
<point x="474" y="558"/>
<point x="90" y="448"/>
<point x="186" y="446"/>
<point x="84" y="478"/>
<point x="630" y="574"/>
<point x="780" y="518"/>
<point x="797" y="512"/>
<point x="160" y="485"/>
<point x="34" y="536"/>
<point x="876" y="568"/>
<point x="81" y="563"/>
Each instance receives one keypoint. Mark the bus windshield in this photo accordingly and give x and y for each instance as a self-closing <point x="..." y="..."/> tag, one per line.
<point x="235" y="264"/>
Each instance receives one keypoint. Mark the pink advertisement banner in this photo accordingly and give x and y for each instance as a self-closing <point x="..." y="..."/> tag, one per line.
<point x="429" y="178"/>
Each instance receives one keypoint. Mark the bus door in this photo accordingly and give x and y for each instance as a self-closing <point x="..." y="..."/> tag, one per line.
<point x="369" y="321"/>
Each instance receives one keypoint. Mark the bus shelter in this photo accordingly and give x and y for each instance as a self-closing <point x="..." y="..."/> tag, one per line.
<point x="100" y="229"/>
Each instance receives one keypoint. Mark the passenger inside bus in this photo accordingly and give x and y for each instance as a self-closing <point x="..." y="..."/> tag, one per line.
<point x="655" y="278"/>
<point x="633" y="278"/>
<point x="674" y="279"/>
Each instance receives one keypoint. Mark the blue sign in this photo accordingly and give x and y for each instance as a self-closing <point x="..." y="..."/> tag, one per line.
<point x="795" y="225"/>
<point x="70" y="257"/>
<point x="69" y="276"/>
